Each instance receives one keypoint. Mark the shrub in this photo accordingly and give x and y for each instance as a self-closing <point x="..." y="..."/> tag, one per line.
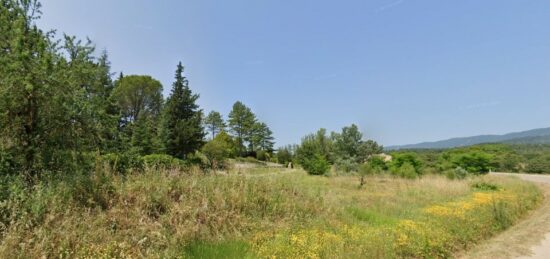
<point x="218" y="150"/>
<point x="474" y="162"/>
<point x="346" y="164"/>
<point x="123" y="162"/>
<point x="485" y="186"/>
<point x="89" y="190"/>
<point x="198" y="159"/>
<point x="284" y="156"/>
<point x="262" y="155"/>
<point x="538" y="165"/>
<point x="406" y="170"/>
<point x="162" y="161"/>
<point x="457" y="173"/>
<point x="377" y="163"/>
<point x="7" y="163"/>
<point x="316" y="165"/>
<point x="411" y="159"/>
<point x="365" y="170"/>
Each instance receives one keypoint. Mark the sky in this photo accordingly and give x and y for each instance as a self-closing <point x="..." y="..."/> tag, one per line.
<point x="404" y="71"/>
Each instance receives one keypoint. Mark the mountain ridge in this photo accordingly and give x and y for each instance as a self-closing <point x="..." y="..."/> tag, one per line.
<point x="533" y="136"/>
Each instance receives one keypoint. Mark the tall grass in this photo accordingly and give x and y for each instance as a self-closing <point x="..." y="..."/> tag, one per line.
<point x="252" y="213"/>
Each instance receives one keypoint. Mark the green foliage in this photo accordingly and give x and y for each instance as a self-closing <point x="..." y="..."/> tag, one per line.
<point x="411" y="163"/>
<point x="123" y="162"/>
<point x="219" y="149"/>
<point x="162" y="161"/>
<point x="263" y="155"/>
<point x="137" y="96"/>
<point x="316" y="165"/>
<point x="182" y="131"/>
<point x="539" y="165"/>
<point x="312" y="145"/>
<point x="214" y="123"/>
<point x="261" y="137"/>
<point x="241" y="122"/>
<point x="198" y="159"/>
<point x="346" y="164"/>
<point x="228" y="249"/>
<point x="284" y="155"/>
<point x="377" y="163"/>
<point x="347" y="144"/>
<point x="458" y="173"/>
<point x="53" y="94"/>
<point x="350" y="149"/>
<point x="485" y="186"/>
<point x="144" y="139"/>
<point x="406" y="170"/>
<point x="474" y="162"/>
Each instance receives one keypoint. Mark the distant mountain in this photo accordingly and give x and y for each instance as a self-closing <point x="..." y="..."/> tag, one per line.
<point x="535" y="136"/>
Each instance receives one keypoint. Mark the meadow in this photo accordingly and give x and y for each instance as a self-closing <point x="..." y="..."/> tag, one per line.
<point x="255" y="212"/>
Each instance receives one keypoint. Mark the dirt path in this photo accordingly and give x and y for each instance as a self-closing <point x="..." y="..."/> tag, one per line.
<point x="530" y="238"/>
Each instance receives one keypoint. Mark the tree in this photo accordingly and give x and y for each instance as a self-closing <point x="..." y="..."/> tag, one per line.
<point x="138" y="95"/>
<point x="368" y="149"/>
<point x="406" y="160"/>
<point x="182" y="130"/>
<point x="313" y="144"/>
<point x="350" y="150"/>
<point x="285" y="155"/>
<point x="539" y="165"/>
<point x="348" y="143"/>
<point x="219" y="149"/>
<point x="214" y="123"/>
<point x="262" y="138"/>
<point x="144" y="136"/>
<point x="316" y="164"/>
<point x="474" y="162"/>
<point x="241" y="122"/>
<point x="53" y="94"/>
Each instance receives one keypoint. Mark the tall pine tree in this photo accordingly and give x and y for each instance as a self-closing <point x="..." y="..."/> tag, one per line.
<point x="182" y="131"/>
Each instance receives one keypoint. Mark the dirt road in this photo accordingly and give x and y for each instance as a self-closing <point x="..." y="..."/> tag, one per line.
<point x="530" y="238"/>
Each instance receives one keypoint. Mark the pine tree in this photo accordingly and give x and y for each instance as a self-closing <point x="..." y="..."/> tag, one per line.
<point x="182" y="130"/>
<point x="241" y="122"/>
<point x="214" y="123"/>
<point x="262" y="137"/>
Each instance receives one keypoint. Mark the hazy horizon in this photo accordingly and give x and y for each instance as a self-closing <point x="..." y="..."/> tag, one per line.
<point x="403" y="71"/>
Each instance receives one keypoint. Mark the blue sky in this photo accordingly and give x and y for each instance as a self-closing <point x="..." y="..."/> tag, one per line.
<point x="405" y="71"/>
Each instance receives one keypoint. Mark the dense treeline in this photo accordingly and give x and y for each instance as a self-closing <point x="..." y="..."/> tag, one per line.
<point x="318" y="152"/>
<point x="61" y="110"/>
<point x="483" y="158"/>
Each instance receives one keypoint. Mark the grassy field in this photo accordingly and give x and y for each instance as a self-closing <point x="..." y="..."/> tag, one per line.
<point x="256" y="213"/>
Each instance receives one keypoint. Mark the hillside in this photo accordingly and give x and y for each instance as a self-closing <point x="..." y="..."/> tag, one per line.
<point x="535" y="136"/>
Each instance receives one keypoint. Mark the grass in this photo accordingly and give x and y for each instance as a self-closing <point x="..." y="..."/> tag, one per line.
<point x="256" y="212"/>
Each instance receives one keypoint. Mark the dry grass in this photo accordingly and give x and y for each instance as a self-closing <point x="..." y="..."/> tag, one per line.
<point x="518" y="239"/>
<point x="241" y="213"/>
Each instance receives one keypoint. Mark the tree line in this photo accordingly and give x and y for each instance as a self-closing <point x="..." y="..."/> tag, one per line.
<point x="60" y="105"/>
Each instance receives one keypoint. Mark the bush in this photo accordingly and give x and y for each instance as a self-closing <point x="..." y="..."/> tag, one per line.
<point x="377" y="163"/>
<point x="474" y="162"/>
<point x="7" y="163"/>
<point x="457" y="173"/>
<point x="262" y="155"/>
<point x="485" y="186"/>
<point x="162" y="161"/>
<point x="123" y="162"/>
<point x="198" y="159"/>
<point x="284" y="156"/>
<point x="346" y="164"/>
<point x="316" y="165"/>
<point x="411" y="159"/>
<point x="406" y="170"/>
<point x="218" y="150"/>
<point x="538" y="165"/>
